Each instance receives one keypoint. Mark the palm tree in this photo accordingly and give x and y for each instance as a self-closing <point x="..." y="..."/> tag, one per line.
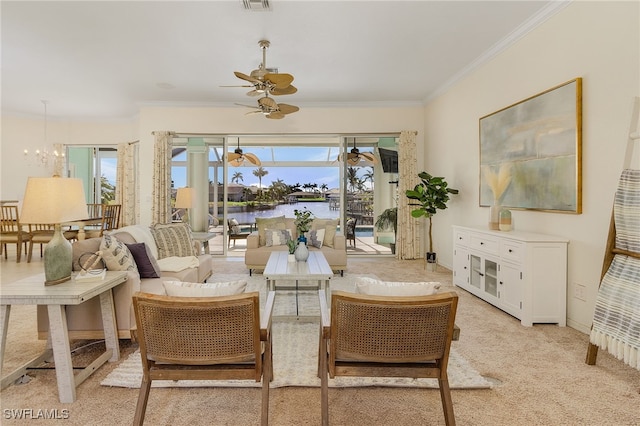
<point x="260" y="172"/>
<point x="368" y="176"/>
<point x="324" y="188"/>
<point x="352" y="178"/>
<point x="237" y="177"/>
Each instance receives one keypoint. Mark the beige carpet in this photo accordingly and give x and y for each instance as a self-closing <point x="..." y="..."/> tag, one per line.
<point x="544" y="378"/>
<point x="295" y="347"/>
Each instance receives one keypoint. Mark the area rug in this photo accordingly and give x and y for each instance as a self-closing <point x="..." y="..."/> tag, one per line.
<point x="295" y="351"/>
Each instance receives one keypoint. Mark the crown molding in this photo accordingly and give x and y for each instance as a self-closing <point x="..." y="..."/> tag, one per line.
<point x="531" y="24"/>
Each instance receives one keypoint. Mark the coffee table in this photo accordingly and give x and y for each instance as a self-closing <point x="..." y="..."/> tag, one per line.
<point x="315" y="268"/>
<point x="32" y="291"/>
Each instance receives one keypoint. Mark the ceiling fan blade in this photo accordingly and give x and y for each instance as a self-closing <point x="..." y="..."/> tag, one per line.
<point x="267" y="102"/>
<point x="237" y="162"/>
<point x="288" y="109"/>
<point x="279" y="80"/>
<point x="369" y="157"/>
<point x="252" y="159"/>
<point x="231" y="156"/>
<point x="286" y="91"/>
<point x="246" y="77"/>
<point x="275" y="115"/>
<point x="243" y="85"/>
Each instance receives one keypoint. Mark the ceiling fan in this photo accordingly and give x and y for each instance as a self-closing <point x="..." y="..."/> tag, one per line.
<point x="266" y="81"/>
<point x="237" y="157"/>
<point x="354" y="157"/>
<point x="271" y="109"/>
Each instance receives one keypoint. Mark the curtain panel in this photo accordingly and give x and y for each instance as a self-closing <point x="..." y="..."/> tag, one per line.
<point x="161" y="206"/>
<point x="127" y="183"/>
<point x="409" y="235"/>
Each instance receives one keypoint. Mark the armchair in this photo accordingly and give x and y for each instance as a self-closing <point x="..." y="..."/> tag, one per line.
<point x="207" y="338"/>
<point x="386" y="336"/>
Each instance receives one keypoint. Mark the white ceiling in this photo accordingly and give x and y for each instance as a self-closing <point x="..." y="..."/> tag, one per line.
<point x="107" y="59"/>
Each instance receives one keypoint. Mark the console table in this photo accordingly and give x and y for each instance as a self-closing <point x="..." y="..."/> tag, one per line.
<point x="522" y="273"/>
<point x="32" y="291"/>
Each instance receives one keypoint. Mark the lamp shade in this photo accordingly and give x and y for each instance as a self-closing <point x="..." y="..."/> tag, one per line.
<point x="53" y="200"/>
<point x="185" y="198"/>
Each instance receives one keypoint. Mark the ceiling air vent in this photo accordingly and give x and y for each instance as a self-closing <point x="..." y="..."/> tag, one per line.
<point x="256" y="5"/>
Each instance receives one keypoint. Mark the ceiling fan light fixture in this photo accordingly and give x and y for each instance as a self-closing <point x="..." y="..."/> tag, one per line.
<point x="256" y="5"/>
<point x="238" y="157"/>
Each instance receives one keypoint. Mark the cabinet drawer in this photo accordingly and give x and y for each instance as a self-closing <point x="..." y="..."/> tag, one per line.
<point x="483" y="242"/>
<point x="461" y="238"/>
<point x="512" y="251"/>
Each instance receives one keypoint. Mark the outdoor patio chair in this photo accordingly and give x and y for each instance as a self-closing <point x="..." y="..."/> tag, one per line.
<point x="11" y="232"/>
<point x="350" y="229"/>
<point x="204" y="338"/>
<point x="385" y="336"/>
<point x="235" y="232"/>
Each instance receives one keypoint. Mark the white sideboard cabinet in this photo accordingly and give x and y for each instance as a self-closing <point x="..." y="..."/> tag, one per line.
<point x="522" y="273"/>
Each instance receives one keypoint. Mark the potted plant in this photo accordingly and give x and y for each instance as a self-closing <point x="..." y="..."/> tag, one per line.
<point x="303" y="222"/>
<point x="291" y="245"/>
<point x="389" y="219"/>
<point x="431" y="194"/>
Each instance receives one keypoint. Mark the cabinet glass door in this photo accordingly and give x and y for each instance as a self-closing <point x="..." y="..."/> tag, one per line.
<point x="491" y="277"/>
<point x="476" y="271"/>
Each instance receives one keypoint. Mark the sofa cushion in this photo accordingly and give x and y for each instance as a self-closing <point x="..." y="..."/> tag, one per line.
<point x="173" y="240"/>
<point x="185" y="289"/>
<point x="264" y="223"/>
<point x="82" y="248"/>
<point x="116" y="255"/>
<point x="374" y="287"/>
<point x="277" y="237"/>
<point x="147" y="265"/>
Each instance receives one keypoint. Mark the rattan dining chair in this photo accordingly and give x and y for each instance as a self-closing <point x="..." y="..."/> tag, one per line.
<point x="383" y="336"/>
<point x="204" y="338"/>
<point x="12" y="232"/>
<point x="110" y="221"/>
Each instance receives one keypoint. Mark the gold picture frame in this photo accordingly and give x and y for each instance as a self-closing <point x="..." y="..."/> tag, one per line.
<point x="531" y="152"/>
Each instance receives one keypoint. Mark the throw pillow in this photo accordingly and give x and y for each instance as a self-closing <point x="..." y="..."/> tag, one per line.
<point x="263" y="223"/>
<point x="173" y="240"/>
<point x="147" y="265"/>
<point x="315" y="237"/>
<point x="330" y="226"/>
<point x="116" y="255"/>
<point x="374" y="287"/>
<point x="277" y="237"/>
<point x="235" y="226"/>
<point x="184" y="289"/>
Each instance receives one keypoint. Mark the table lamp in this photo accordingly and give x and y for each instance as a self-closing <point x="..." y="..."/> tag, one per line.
<point x="54" y="200"/>
<point x="184" y="200"/>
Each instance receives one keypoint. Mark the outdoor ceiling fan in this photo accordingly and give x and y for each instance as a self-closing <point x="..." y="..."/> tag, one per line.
<point x="271" y="109"/>
<point x="266" y="81"/>
<point x="237" y="157"/>
<point x="354" y="157"/>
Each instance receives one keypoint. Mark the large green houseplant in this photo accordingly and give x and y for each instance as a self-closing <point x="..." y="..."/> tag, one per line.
<point x="389" y="219"/>
<point x="431" y="194"/>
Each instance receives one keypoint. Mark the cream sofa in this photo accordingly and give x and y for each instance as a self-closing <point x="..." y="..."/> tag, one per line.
<point x="257" y="254"/>
<point x="85" y="321"/>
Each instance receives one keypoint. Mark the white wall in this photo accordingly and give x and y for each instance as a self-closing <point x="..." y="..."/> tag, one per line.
<point x="598" y="41"/>
<point x="20" y="133"/>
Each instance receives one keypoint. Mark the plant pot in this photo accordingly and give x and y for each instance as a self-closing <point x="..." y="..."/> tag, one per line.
<point x="291" y="257"/>
<point x="432" y="263"/>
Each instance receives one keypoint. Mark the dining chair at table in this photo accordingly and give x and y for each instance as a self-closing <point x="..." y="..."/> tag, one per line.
<point x="386" y="336"/>
<point x="204" y="338"/>
<point x="41" y="233"/>
<point x="12" y="232"/>
<point x="110" y="220"/>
